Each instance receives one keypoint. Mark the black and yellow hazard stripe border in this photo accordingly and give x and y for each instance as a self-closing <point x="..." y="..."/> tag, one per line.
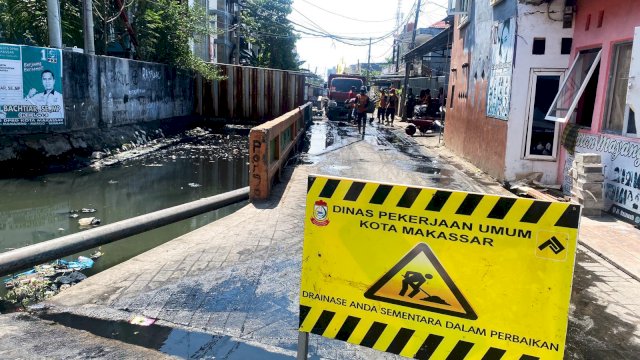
<point x="383" y="337"/>
<point x="492" y="207"/>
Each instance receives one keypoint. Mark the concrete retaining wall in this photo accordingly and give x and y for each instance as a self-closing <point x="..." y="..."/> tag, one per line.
<point x="101" y="92"/>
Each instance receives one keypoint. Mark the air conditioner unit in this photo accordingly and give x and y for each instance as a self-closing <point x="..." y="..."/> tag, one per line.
<point x="457" y="7"/>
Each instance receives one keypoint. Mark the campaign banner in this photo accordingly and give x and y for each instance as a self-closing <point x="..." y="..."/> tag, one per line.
<point x="499" y="89"/>
<point x="30" y="86"/>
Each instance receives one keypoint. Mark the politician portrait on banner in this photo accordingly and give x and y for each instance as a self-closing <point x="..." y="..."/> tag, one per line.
<point x="31" y="90"/>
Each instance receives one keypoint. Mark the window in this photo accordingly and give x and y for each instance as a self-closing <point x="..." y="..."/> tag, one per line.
<point x="538" y="46"/>
<point x="577" y="80"/>
<point x="631" y="124"/>
<point x="565" y="46"/>
<point x="460" y="7"/>
<point x="465" y="6"/>
<point x="618" y="82"/>
<point x="542" y="135"/>
<point x="452" y="96"/>
<point x="345" y="84"/>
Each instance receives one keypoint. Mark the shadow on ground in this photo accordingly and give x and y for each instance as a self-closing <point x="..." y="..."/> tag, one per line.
<point x="593" y="332"/>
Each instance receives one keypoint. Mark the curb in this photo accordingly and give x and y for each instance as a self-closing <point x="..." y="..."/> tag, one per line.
<point x="607" y="259"/>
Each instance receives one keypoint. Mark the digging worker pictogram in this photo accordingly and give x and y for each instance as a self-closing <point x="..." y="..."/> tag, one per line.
<point x="414" y="280"/>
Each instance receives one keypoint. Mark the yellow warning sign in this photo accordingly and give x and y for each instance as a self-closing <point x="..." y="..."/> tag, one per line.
<point x="408" y="281"/>
<point x="429" y="273"/>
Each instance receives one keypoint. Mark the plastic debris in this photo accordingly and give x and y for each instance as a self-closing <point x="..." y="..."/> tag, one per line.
<point x="141" y="320"/>
<point x="194" y="185"/>
<point x="87" y="210"/>
<point x="88" y="222"/>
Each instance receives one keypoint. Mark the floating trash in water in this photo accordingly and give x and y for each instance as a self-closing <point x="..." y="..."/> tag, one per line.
<point x="60" y="229"/>
<point x="153" y="165"/>
<point x="113" y="181"/>
<point x="194" y="185"/>
<point x="87" y="210"/>
<point x="73" y="216"/>
<point x="88" y="222"/>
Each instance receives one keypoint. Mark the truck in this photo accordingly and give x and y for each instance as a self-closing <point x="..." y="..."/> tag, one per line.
<point x="339" y="86"/>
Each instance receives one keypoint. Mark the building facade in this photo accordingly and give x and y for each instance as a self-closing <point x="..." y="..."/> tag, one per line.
<point x="606" y="46"/>
<point x="508" y="56"/>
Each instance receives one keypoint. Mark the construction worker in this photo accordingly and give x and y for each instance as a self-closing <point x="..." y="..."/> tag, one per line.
<point x="382" y="105"/>
<point x="410" y="103"/>
<point x="362" y="103"/>
<point x="392" y="105"/>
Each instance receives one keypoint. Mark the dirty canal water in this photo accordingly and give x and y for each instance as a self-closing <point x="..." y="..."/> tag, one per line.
<point x="37" y="209"/>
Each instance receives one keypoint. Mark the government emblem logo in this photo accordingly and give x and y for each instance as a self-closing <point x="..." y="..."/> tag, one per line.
<point x="320" y="213"/>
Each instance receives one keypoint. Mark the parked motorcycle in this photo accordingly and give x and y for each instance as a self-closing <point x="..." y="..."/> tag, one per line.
<point x="426" y="119"/>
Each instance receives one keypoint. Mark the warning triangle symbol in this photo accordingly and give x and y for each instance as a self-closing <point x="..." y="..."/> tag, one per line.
<point x="419" y="281"/>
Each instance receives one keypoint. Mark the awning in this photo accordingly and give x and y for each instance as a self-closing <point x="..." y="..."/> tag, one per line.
<point x="441" y="42"/>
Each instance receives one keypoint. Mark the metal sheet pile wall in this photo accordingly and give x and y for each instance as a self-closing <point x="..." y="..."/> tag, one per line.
<point x="250" y="93"/>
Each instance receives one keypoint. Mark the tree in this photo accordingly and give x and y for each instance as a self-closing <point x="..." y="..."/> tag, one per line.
<point x="25" y="22"/>
<point x="164" y="28"/>
<point x="266" y="27"/>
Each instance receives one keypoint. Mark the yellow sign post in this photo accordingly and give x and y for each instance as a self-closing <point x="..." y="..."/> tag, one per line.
<point x="434" y="274"/>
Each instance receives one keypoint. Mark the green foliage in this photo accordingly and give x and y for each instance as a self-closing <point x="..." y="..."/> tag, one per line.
<point x="166" y="30"/>
<point x="266" y="26"/>
<point x="25" y="22"/>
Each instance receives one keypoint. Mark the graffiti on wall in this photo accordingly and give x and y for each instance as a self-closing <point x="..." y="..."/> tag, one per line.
<point x="499" y="89"/>
<point x="621" y="160"/>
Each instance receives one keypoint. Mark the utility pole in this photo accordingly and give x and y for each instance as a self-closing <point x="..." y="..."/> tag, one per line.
<point x="369" y="62"/>
<point x="237" y="57"/>
<point x="53" y="23"/>
<point x="406" y="61"/>
<point x="89" y="45"/>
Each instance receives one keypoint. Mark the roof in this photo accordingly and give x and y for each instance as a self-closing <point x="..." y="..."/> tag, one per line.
<point x="442" y="24"/>
<point x="440" y="42"/>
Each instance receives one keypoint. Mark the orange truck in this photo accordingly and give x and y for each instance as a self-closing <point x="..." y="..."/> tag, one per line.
<point x="339" y="86"/>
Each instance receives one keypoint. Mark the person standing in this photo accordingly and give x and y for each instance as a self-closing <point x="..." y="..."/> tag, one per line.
<point x="382" y="105"/>
<point x="410" y="103"/>
<point x="392" y="105"/>
<point x="350" y="103"/>
<point x="362" y="103"/>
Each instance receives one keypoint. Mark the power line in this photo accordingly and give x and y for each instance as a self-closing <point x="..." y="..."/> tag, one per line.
<point x="321" y="32"/>
<point x="347" y="17"/>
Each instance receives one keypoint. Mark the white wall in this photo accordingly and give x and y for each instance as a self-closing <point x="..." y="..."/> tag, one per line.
<point x="532" y="22"/>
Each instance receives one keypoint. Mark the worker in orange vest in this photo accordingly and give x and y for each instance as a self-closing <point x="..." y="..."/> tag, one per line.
<point x="362" y="103"/>
<point x="382" y="106"/>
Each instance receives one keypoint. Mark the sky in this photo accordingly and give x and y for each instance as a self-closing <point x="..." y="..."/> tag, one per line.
<point x="370" y="18"/>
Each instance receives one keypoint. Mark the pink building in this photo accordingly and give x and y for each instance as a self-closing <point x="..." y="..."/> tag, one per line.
<point x="600" y="98"/>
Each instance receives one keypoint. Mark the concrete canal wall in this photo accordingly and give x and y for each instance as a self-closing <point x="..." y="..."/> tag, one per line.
<point x="110" y="102"/>
<point x="102" y="91"/>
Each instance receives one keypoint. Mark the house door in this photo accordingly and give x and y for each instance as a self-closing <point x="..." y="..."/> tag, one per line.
<point x="542" y="135"/>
